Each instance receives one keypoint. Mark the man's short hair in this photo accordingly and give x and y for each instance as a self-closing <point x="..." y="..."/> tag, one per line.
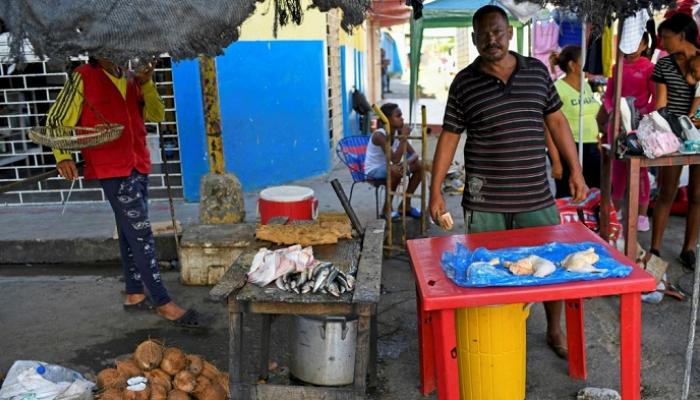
<point x="486" y="10"/>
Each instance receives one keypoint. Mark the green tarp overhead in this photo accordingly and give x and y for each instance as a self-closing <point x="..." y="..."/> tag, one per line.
<point x="445" y="14"/>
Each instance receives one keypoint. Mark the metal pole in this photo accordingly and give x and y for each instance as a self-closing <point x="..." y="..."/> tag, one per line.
<point x="389" y="196"/>
<point x="423" y="157"/>
<point x="691" y="329"/>
<point x="212" y="113"/>
<point x="584" y="28"/>
<point x="347" y="207"/>
<point x="161" y="139"/>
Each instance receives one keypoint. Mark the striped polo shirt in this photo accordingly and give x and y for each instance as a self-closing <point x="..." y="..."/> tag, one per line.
<point x="678" y="92"/>
<point x="504" y="155"/>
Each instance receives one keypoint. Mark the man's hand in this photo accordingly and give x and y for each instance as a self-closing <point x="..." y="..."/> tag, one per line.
<point x="397" y="169"/>
<point x="577" y="187"/>
<point x="68" y="169"/>
<point x="557" y="170"/>
<point x="437" y="206"/>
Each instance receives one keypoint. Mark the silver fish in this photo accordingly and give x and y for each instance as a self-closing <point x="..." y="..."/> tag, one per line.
<point x="334" y="272"/>
<point x="293" y="284"/>
<point x="279" y="283"/>
<point x="302" y="278"/>
<point x="333" y="289"/>
<point x="342" y="281"/>
<point x="295" y="290"/>
<point x="321" y="279"/>
<point x="342" y="288"/>
<point x="351" y="281"/>
<point x="308" y="286"/>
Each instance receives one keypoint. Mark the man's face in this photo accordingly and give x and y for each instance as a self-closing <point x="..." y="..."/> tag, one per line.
<point x="492" y="36"/>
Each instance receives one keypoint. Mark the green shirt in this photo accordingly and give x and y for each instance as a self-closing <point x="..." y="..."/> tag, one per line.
<point x="571" y="98"/>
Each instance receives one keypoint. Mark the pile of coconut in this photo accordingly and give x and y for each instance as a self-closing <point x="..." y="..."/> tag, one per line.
<point x="155" y="372"/>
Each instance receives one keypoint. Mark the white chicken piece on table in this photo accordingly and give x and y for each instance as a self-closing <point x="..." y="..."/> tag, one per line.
<point x="531" y="265"/>
<point x="582" y="261"/>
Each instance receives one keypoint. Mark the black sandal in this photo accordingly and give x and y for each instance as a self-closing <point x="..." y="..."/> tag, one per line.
<point x="191" y="319"/>
<point x="143" y="305"/>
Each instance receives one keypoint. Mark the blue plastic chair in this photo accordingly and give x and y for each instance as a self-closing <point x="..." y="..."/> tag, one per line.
<point x="351" y="151"/>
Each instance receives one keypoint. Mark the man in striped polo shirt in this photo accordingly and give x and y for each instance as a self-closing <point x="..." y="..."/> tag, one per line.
<point x="504" y="101"/>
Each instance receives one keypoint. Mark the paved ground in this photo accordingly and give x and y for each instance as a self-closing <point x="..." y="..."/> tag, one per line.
<point x="70" y="314"/>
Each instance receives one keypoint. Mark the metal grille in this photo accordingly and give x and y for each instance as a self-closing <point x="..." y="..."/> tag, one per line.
<point x="25" y="98"/>
<point x="335" y="101"/>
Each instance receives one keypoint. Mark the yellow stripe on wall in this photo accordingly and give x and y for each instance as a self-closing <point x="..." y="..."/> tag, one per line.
<point x="260" y="25"/>
<point x="358" y="39"/>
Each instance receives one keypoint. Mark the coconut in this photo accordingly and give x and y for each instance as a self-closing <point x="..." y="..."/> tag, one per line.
<point x="111" y="394"/>
<point x="148" y="355"/>
<point x="223" y="381"/>
<point x="174" y="361"/>
<point x="184" y="381"/>
<point x="178" y="395"/>
<point x="195" y="364"/>
<point x="111" y="378"/>
<point x="129" y="368"/>
<point x="210" y="371"/>
<point x="144" y="394"/>
<point x="214" y="392"/>
<point x="158" y="392"/>
<point x="202" y="383"/>
<point x="159" y="377"/>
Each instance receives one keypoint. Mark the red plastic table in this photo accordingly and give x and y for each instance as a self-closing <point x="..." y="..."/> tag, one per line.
<point x="438" y="297"/>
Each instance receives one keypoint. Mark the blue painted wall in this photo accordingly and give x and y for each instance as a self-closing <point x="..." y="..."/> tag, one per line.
<point x="190" y="126"/>
<point x="274" y="113"/>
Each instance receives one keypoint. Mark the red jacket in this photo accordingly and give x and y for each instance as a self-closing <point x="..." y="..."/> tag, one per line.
<point x="120" y="157"/>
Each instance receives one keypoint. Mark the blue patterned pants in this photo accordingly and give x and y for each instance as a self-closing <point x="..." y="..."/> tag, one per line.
<point x="129" y="199"/>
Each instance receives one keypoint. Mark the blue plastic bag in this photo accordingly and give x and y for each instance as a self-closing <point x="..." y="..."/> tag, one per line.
<point x="469" y="268"/>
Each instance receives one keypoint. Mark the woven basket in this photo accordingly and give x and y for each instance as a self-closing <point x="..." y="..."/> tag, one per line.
<point x="75" y="138"/>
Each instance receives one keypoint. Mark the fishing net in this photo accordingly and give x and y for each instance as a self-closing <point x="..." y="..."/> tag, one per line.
<point x="122" y="30"/>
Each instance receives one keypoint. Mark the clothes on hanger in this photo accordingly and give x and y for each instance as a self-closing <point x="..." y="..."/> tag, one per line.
<point x="632" y="30"/>
<point x="545" y="41"/>
<point x="570" y="27"/>
<point x="607" y="51"/>
<point x="594" y="56"/>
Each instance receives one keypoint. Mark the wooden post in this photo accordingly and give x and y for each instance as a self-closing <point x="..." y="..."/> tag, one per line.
<point x="212" y="113"/>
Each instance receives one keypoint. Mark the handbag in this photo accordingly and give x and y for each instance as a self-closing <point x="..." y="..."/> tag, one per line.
<point x="656" y="136"/>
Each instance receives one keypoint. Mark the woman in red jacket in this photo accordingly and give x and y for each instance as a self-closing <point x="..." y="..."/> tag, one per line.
<point x="102" y="92"/>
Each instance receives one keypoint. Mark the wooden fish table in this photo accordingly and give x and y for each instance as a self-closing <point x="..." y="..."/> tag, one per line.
<point x="244" y="299"/>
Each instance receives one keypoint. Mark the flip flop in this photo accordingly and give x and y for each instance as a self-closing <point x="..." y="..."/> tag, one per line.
<point x="143" y="305"/>
<point x="414" y="213"/>
<point x="394" y="215"/>
<point x="559" y="349"/>
<point x="191" y="319"/>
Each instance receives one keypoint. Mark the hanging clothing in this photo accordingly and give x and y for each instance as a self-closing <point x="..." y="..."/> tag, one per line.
<point x="632" y="31"/>
<point x="569" y="28"/>
<point x="545" y="41"/>
<point x="607" y="51"/>
<point x="570" y="97"/>
<point x="594" y="57"/>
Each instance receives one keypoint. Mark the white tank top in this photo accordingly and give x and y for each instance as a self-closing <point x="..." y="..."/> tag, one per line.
<point x="374" y="157"/>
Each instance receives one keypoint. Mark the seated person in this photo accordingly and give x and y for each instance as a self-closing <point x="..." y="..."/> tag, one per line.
<point x="375" y="160"/>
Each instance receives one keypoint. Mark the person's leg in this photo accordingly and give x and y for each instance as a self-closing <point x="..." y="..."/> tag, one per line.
<point x="416" y="175"/>
<point x="133" y="286"/>
<point x="668" y="186"/>
<point x="644" y="191"/>
<point x="555" y="336"/>
<point x="619" y="183"/>
<point x="479" y="221"/>
<point x="562" y="185"/>
<point x="693" y="219"/>
<point x="591" y="165"/>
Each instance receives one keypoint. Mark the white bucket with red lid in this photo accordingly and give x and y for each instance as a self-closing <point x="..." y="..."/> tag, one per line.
<point x="293" y="202"/>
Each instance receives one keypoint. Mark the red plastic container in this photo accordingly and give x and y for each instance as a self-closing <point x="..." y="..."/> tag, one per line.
<point x="294" y="202"/>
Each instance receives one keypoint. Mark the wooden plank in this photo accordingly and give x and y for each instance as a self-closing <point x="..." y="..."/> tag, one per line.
<point x="672" y="159"/>
<point x="235" y="345"/>
<point x="265" y="346"/>
<point x="301" y="308"/>
<point x="369" y="270"/>
<point x="362" y="354"/>
<point x="280" y="392"/>
<point x="234" y="279"/>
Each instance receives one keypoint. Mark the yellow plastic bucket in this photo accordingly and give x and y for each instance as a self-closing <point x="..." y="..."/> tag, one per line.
<point x="491" y="352"/>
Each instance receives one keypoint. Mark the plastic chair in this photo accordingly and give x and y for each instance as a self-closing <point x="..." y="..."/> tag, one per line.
<point x="351" y="151"/>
